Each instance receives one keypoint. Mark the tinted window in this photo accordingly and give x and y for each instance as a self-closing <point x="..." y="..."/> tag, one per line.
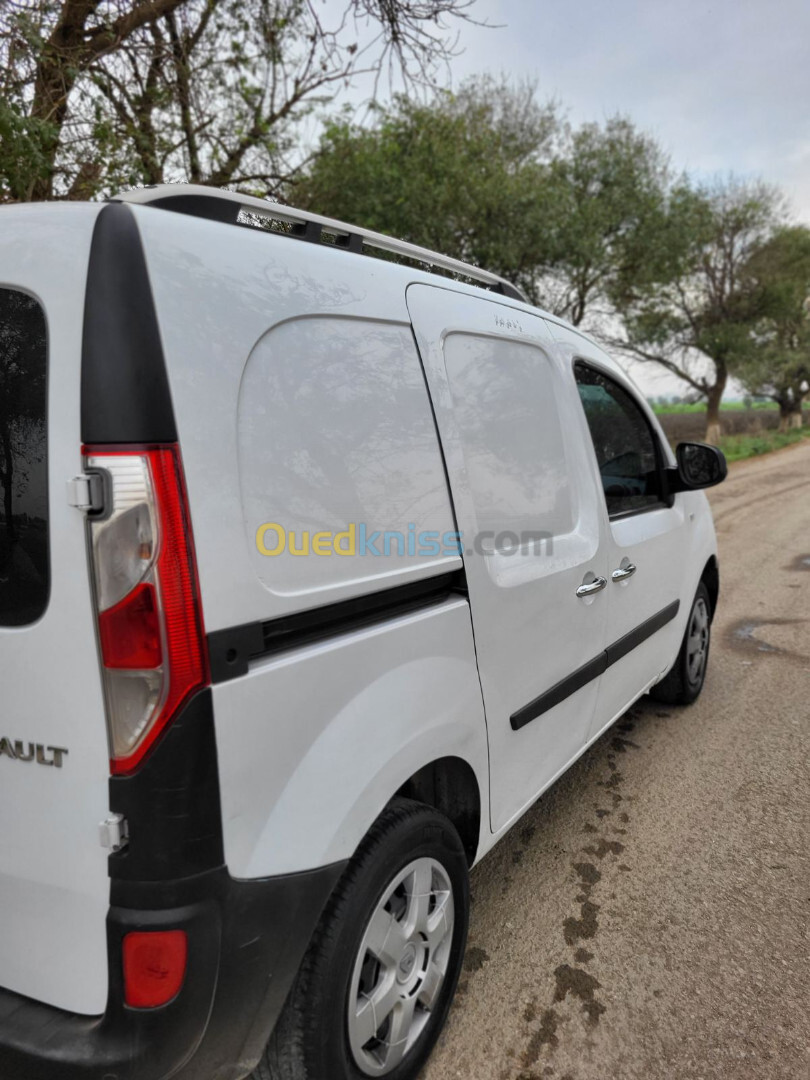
<point x="624" y="443"/>
<point x="24" y="575"/>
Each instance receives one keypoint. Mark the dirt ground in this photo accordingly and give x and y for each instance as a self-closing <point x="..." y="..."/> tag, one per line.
<point x="648" y="918"/>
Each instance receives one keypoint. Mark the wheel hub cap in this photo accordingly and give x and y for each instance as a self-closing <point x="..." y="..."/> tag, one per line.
<point x="400" y="966"/>
<point x="697" y="643"/>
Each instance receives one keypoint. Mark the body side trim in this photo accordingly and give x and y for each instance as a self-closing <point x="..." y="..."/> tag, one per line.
<point x="593" y="668"/>
<point x="231" y="650"/>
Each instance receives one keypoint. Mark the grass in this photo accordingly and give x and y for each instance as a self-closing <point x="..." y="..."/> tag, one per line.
<point x="700" y="407"/>
<point x="739" y="447"/>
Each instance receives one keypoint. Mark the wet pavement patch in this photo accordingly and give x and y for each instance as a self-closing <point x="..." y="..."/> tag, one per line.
<point x="587" y="872"/>
<point x="585" y="926"/>
<point x="579" y="984"/>
<point x="572" y="980"/>
<point x="620" y="745"/>
<point x="475" y="958"/>
<point x="546" y="1035"/>
<point x="750" y="635"/>
<point x="602" y="847"/>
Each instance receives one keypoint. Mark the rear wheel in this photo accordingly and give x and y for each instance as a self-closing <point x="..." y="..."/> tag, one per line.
<point x="376" y="984"/>
<point x="685" y="681"/>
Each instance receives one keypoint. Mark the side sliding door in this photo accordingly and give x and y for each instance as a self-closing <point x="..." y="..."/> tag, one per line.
<point x="534" y="543"/>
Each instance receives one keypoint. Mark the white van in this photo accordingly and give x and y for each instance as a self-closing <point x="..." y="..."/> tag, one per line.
<point x="316" y="569"/>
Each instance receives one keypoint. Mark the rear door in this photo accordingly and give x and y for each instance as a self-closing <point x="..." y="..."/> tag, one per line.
<point x="527" y="508"/>
<point x="54" y="887"/>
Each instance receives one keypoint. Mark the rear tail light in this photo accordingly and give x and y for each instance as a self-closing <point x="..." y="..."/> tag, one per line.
<point x="147" y="597"/>
<point x="154" y="967"/>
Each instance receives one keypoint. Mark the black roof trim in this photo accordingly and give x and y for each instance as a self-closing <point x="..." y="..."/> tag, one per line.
<point x="125" y="394"/>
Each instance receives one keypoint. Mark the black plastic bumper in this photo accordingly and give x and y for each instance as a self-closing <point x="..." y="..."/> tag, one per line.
<point x="246" y="939"/>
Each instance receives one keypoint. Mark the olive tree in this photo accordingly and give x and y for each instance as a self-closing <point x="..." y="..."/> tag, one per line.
<point x="778" y="363"/>
<point x="493" y="176"/>
<point x="694" y="313"/>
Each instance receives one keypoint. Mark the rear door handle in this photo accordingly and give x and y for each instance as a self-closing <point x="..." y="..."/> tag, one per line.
<point x="592" y="587"/>
<point x="623" y="572"/>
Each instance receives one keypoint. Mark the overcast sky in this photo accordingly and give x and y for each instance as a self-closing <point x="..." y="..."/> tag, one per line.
<point x="724" y="85"/>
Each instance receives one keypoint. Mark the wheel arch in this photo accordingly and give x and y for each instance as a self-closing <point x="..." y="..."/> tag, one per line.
<point x="711" y="579"/>
<point x="449" y="785"/>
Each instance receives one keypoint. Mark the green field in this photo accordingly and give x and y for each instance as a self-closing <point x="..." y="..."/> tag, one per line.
<point x="737" y="447"/>
<point x="700" y="406"/>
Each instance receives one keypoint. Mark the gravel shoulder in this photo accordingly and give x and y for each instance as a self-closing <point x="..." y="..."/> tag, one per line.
<point x="649" y="916"/>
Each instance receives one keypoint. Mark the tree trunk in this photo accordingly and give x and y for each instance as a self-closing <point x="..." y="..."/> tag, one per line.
<point x="714" y="396"/>
<point x="790" y="413"/>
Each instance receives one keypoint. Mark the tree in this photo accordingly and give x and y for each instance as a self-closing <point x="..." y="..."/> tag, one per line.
<point x="693" y="313"/>
<point x="494" y="177"/>
<point x="778" y="365"/>
<point x="604" y="201"/>
<point x="460" y="175"/>
<point x="96" y="94"/>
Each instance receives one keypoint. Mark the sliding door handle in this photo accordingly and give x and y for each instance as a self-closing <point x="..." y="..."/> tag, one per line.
<point x="592" y="587"/>
<point x="623" y="572"/>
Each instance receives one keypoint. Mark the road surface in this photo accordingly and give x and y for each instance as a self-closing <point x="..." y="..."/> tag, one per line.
<point x="648" y="918"/>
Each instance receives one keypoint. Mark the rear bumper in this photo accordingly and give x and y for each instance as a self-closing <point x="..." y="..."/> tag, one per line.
<point x="246" y="941"/>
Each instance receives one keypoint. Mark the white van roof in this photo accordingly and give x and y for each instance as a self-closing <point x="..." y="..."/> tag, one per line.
<point x="228" y="205"/>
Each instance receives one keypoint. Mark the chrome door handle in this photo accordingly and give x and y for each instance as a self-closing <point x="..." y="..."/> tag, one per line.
<point x="592" y="587"/>
<point x="623" y="572"/>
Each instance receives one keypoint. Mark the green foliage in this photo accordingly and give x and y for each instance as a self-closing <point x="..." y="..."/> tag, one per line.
<point x="777" y="364"/>
<point x="695" y="313"/>
<point x="494" y="177"/>
<point x="739" y="447"/>
<point x="676" y="408"/>
<point x="459" y="175"/>
<point x="604" y="214"/>
<point x="24" y="152"/>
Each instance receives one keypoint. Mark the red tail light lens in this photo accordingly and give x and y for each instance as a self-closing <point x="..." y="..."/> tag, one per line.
<point x="154" y="967"/>
<point x="130" y="631"/>
<point x="147" y="596"/>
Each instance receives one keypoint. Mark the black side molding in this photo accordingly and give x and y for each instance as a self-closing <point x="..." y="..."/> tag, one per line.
<point x="125" y="389"/>
<point x="230" y="651"/>
<point x="635" y="637"/>
<point x="560" y="691"/>
<point x="593" y="668"/>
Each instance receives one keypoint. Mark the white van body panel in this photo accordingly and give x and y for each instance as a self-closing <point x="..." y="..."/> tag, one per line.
<point x="54" y="887"/>
<point x="314" y="743"/>
<point x="229" y="301"/>
<point x="517" y="461"/>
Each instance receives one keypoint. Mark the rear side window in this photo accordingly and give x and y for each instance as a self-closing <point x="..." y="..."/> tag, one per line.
<point x="627" y="451"/>
<point x="24" y="572"/>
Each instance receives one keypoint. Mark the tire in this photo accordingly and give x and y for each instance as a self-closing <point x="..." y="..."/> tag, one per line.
<point x="376" y="940"/>
<point x="685" y="680"/>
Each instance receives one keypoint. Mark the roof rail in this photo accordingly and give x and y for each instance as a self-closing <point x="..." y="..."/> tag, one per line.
<point x="226" y="206"/>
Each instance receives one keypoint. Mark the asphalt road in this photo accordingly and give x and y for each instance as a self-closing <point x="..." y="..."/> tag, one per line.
<point x="649" y="916"/>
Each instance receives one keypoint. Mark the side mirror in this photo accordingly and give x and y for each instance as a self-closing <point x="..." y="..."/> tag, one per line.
<point x="699" y="466"/>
